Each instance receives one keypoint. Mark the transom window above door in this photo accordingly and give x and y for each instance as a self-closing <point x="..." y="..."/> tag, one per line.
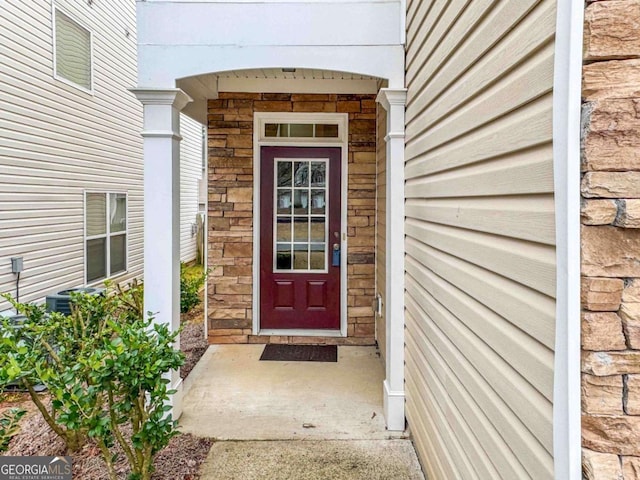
<point x="295" y="128"/>
<point x="301" y="130"/>
<point x="300" y="215"/>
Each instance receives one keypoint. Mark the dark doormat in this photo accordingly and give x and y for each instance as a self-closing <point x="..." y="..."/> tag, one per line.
<point x="300" y="353"/>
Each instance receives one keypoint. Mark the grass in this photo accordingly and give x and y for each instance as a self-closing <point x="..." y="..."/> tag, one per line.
<point x="192" y="271"/>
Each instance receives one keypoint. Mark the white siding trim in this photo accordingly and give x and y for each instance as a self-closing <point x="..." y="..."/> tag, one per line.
<point x="566" y="153"/>
<point x="403" y="22"/>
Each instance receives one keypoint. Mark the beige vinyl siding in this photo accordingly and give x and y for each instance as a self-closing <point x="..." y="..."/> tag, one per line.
<point x="480" y="255"/>
<point x="58" y="141"/>
<point x="190" y="174"/>
<point x="381" y="225"/>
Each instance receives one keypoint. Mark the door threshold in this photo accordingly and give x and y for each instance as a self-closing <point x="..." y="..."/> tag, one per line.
<point x="301" y="332"/>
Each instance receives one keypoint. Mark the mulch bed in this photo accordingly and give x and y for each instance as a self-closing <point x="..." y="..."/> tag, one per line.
<point x="192" y="340"/>
<point x="181" y="459"/>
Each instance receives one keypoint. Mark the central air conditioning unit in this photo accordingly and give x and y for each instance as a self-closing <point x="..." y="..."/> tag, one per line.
<point x="16" y="321"/>
<point x="61" y="301"/>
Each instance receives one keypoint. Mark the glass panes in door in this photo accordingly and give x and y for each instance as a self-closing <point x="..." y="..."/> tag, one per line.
<point x="300" y="215"/>
<point x="301" y="130"/>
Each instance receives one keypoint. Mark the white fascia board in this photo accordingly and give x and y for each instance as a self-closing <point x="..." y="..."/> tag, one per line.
<point x="270" y="23"/>
<point x="403" y="22"/>
<point x="566" y="154"/>
<point x="161" y="65"/>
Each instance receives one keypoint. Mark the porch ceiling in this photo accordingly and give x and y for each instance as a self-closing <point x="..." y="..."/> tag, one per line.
<point x="298" y="73"/>
<point x="270" y="80"/>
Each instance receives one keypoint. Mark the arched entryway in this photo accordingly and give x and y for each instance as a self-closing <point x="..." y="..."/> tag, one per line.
<point x="308" y="116"/>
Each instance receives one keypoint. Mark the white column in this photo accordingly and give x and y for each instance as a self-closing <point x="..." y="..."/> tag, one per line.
<point x="393" y="101"/>
<point x="161" y="133"/>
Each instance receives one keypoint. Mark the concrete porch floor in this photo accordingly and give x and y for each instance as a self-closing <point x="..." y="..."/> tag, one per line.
<point x="232" y="395"/>
<point x="263" y="410"/>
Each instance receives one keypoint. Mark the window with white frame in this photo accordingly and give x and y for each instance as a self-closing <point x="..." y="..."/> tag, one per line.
<point x="105" y="234"/>
<point x="72" y="51"/>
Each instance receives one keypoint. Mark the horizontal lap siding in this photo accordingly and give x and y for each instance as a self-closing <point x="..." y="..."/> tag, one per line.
<point x="57" y="141"/>
<point x="480" y="263"/>
<point x="190" y="174"/>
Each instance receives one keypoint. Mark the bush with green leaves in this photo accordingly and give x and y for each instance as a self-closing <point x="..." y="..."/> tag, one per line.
<point x="105" y="367"/>
<point x="47" y="349"/>
<point x="9" y="421"/>
<point x="190" y="285"/>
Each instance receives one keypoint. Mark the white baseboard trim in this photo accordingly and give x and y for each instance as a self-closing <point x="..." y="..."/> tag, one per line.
<point x="394" y="408"/>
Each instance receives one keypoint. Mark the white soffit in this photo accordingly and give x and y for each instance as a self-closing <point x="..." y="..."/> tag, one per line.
<point x="270" y="80"/>
<point x="298" y="73"/>
<point x="275" y="80"/>
<point x="302" y="80"/>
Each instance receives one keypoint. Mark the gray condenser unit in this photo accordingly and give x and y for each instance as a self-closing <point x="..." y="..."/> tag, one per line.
<point x="17" y="321"/>
<point x="61" y="301"/>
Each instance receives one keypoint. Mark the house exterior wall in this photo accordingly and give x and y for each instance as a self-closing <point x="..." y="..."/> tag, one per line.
<point x="610" y="241"/>
<point x="381" y="225"/>
<point x="216" y="36"/>
<point x="56" y="141"/>
<point x="190" y="175"/>
<point x="480" y="238"/>
<point x="230" y="211"/>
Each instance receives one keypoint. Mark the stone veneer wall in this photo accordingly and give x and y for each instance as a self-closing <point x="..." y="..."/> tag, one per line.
<point x="611" y="241"/>
<point x="230" y="235"/>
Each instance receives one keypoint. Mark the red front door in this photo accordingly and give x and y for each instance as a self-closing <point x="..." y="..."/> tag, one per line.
<point x="300" y="238"/>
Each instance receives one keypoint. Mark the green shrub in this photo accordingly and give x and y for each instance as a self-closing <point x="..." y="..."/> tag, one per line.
<point x="190" y="285"/>
<point x="9" y="426"/>
<point x="45" y="349"/>
<point x="105" y="366"/>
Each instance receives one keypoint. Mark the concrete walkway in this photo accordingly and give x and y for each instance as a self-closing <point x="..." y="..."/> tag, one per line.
<point x="294" y="420"/>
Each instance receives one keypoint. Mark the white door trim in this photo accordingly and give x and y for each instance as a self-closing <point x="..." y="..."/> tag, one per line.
<point x="259" y="140"/>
